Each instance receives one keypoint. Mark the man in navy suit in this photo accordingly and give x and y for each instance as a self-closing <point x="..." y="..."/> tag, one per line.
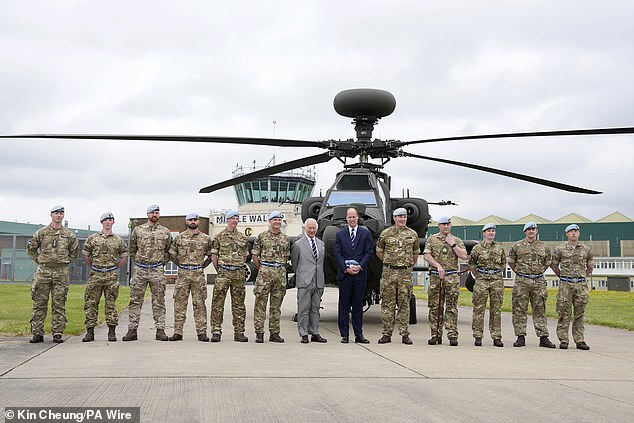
<point x="353" y="250"/>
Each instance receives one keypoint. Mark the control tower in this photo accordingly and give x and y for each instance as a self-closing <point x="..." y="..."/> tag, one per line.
<point x="283" y="192"/>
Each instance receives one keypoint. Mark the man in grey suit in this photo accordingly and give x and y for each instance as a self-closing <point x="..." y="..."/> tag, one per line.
<point x="307" y="257"/>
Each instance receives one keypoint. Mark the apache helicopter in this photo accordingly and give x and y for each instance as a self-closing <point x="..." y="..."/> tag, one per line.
<point x="361" y="184"/>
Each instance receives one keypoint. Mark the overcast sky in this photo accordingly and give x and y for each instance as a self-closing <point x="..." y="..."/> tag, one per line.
<point x="232" y="68"/>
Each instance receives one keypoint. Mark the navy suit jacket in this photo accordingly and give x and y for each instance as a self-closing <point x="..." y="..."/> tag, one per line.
<point x="362" y="252"/>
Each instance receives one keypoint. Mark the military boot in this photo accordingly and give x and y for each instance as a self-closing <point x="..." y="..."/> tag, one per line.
<point x="239" y="337"/>
<point x="37" y="339"/>
<point x="478" y="342"/>
<point x="112" y="335"/>
<point x="498" y="343"/>
<point x="275" y="337"/>
<point x="130" y="336"/>
<point x="521" y="341"/>
<point x="160" y="335"/>
<point x="433" y="341"/>
<point x="259" y="337"/>
<point x="385" y="339"/>
<point x="453" y="342"/>
<point x="176" y="337"/>
<point x="215" y="337"/>
<point x="90" y="335"/>
<point x="57" y="339"/>
<point x="563" y="345"/>
<point x="202" y="337"/>
<point x="545" y="342"/>
<point x="583" y="346"/>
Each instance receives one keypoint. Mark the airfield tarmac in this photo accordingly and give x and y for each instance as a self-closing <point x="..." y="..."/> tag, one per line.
<point x="191" y="381"/>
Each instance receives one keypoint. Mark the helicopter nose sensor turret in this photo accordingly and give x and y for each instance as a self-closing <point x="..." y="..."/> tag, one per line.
<point x="364" y="103"/>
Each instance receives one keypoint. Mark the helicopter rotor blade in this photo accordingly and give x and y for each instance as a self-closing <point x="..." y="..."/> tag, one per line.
<point x="177" y="138"/>
<point x="599" y="131"/>
<point x="506" y="173"/>
<point x="294" y="164"/>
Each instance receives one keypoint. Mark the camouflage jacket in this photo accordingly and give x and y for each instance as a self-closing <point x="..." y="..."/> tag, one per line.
<point x="398" y="246"/>
<point x="190" y="248"/>
<point x="488" y="256"/>
<point x="531" y="258"/>
<point x="104" y="250"/>
<point x="232" y="248"/>
<point x="54" y="246"/>
<point x="272" y="248"/>
<point x="150" y="243"/>
<point x="574" y="262"/>
<point x="442" y="252"/>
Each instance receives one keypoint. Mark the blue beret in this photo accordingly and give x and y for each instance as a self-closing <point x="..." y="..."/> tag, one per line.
<point x="152" y="208"/>
<point x="275" y="215"/>
<point x="232" y="213"/>
<point x="191" y="216"/>
<point x="529" y="225"/>
<point x="573" y="227"/>
<point x="106" y="215"/>
<point x="444" y="219"/>
<point x="57" y="208"/>
<point x="399" y="212"/>
<point x="488" y="226"/>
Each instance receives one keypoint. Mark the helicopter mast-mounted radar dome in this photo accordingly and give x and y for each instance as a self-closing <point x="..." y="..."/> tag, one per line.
<point x="364" y="103"/>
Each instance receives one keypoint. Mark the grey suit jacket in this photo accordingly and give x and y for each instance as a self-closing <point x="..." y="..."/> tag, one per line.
<point x="307" y="270"/>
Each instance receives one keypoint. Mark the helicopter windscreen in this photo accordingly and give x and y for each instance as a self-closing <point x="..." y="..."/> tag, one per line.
<point x="341" y="198"/>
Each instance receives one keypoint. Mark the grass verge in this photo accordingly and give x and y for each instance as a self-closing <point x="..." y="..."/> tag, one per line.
<point x="605" y="308"/>
<point x="16" y="307"/>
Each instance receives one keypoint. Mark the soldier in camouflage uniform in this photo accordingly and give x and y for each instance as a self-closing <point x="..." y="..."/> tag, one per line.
<point x="442" y="252"/>
<point x="229" y="250"/>
<point x="104" y="252"/>
<point x="398" y="248"/>
<point x="488" y="263"/>
<point x="149" y="251"/>
<point x="52" y="248"/>
<point x="529" y="259"/>
<point x="188" y="252"/>
<point x="573" y="263"/>
<point x="270" y="254"/>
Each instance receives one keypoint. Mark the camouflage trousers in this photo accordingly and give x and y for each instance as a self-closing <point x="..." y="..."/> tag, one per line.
<point x="494" y="290"/>
<point x="535" y="292"/>
<point x="270" y="281"/>
<point x="190" y="281"/>
<point x="98" y="283"/>
<point x="571" y="295"/>
<point x="396" y="290"/>
<point x="233" y="281"/>
<point x="445" y="311"/>
<point x="53" y="281"/>
<point x="138" y="284"/>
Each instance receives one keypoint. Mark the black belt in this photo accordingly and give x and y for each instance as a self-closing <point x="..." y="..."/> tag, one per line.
<point x="390" y="266"/>
<point x="148" y="265"/>
<point x="570" y="279"/>
<point x="530" y="275"/>
<point x="488" y="271"/>
<point x="447" y="272"/>
<point x="229" y="267"/>
<point x="272" y="264"/>
<point x="190" y="266"/>
<point x="103" y="269"/>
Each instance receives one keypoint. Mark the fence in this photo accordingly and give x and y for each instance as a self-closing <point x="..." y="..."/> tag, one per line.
<point x="17" y="267"/>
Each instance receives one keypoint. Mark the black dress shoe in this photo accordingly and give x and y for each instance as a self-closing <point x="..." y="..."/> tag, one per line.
<point x="318" y="338"/>
<point x="304" y="339"/>
<point x="361" y="340"/>
<point x="345" y="339"/>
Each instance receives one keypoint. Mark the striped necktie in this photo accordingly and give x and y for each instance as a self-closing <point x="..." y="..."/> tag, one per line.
<point x="352" y="237"/>
<point x="314" y="247"/>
